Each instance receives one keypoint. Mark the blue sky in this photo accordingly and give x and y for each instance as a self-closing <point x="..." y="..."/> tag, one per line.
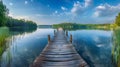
<point x="58" y="11"/>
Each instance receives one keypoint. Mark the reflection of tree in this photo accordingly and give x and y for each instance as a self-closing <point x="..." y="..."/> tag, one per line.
<point x="21" y="30"/>
<point x="116" y="47"/>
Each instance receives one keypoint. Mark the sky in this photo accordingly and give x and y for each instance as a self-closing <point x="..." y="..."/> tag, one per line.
<point x="45" y="12"/>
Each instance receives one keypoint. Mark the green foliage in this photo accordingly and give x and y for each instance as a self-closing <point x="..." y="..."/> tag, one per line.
<point x="117" y="20"/>
<point x="116" y="47"/>
<point x="73" y="26"/>
<point x="20" y="23"/>
<point x="4" y="33"/>
<point x="3" y="14"/>
<point x="10" y="22"/>
<point x="66" y="25"/>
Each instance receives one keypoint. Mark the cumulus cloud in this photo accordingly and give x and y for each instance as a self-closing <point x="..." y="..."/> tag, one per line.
<point x="10" y="4"/>
<point x="18" y="17"/>
<point x="11" y="15"/>
<point x="88" y="3"/>
<point x="105" y="10"/>
<point x="78" y="8"/>
<point x="63" y="8"/>
<point x="56" y="12"/>
<point x="26" y="2"/>
<point x="22" y="17"/>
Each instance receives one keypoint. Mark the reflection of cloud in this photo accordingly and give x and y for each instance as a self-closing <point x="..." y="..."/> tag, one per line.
<point x="96" y="39"/>
<point x="100" y="45"/>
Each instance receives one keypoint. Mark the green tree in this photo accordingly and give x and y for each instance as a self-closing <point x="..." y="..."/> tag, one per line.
<point x="117" y="20"/>
<point x="3" y="14"/>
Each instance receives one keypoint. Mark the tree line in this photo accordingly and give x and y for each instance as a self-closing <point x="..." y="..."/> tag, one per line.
<point x="5" y="20"/>
<point x="74" y="26"/>
<point x="117" y="20"/>
<point x="68" y="25"/>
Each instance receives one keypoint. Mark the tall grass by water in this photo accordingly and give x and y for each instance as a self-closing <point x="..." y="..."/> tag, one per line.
<point x="4" y="33"/>
<point x="116" y="47"/>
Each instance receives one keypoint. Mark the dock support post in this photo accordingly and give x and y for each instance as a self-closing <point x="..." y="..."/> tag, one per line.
<point x="54" y="33"/>
<point x="66" y="33"/>
<point x="70" y="38"/>
<point x="49" y="39"/>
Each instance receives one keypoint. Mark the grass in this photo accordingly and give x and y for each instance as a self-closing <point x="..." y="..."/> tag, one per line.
<point x="116" y="46"/>
<point x="4" y="33"/>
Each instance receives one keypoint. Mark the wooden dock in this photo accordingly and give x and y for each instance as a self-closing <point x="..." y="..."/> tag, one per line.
<point x="59" y="53"/>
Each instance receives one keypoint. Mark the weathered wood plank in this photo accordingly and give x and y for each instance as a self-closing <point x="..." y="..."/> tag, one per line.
<point x="59" y="53"/>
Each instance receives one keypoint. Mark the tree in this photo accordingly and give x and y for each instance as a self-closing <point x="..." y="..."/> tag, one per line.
<point x="117" y="20"/>
<point x="3" y="14"/>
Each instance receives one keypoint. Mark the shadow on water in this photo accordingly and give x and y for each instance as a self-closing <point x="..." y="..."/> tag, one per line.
<point x="116" y="47"/>
<point x="23" y="30"/>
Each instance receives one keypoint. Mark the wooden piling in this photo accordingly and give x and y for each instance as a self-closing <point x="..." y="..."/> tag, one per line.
<point x="66" y="33"/>
<point x="70" y="38"/>
<point x="49" y="39"/>
<point x="54" y="32"/>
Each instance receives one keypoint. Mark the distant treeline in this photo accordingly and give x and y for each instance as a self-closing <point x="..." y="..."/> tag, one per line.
<point x="68" y="25"/>
<point x="80" y="26"/>
<point x="11" y="22"/>
<point x="45" y="26"/>
<point x="5" y="20"/>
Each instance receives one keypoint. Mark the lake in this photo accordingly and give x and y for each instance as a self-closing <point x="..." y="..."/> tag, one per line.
<point x="95" y="46"/>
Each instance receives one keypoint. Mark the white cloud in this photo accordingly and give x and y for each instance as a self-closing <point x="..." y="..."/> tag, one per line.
<point x="63" y="8"/>
<point x="22" y="17"/>
<point x="78" y="8"/>
<point x="106" y="10"/>
<point x="56" y="12"/>
<point x="10" y="14"/>
<point x="88" y="3"/>
<point x="10" y="4"/>
<point x="18" y="17"/>
<point x="26" y="2"/>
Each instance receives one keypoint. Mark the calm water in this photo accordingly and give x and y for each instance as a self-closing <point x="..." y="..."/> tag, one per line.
<point x="93" y="45"/>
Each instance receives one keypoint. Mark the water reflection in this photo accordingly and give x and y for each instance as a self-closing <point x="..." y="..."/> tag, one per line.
<point x="94" y="46"/>
<point x="24" y="48"/>
<point x="16" y="31"/>
<point x="116" y="47"/>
